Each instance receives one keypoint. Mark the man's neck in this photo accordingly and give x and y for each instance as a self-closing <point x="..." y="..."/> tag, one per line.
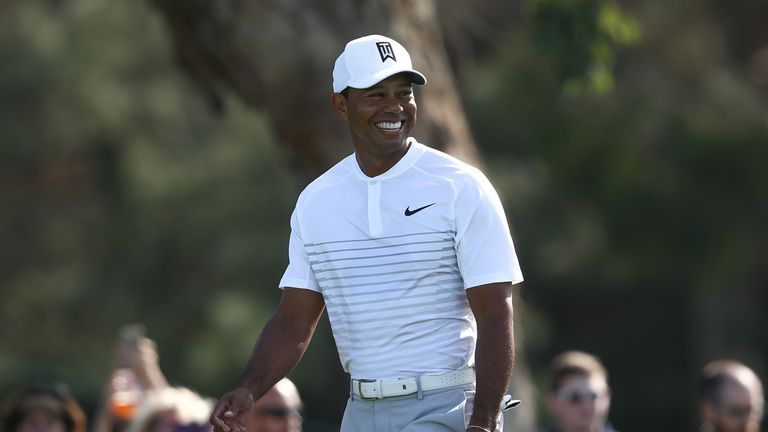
<point x="373" y="165"/>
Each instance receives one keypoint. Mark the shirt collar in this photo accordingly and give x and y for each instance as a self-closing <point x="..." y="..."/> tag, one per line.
<point x="415" y="150"/>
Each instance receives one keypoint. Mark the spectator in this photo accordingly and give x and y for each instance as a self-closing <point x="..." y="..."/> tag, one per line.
<point x="138" y="397"/>
<point x="279" y="410"/>
<point x="171" y="409"/>
<point x="579" y="397"/>
<point x="42" y="409"/>
<point x="730" y="397"/>
<point x="136" y="372"/>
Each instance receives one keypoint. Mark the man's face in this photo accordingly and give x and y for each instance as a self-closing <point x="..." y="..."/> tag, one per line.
<point x="380" y="117"/>
<point x="736" y="410"/>
<point x="581" y="403"/>
<point x="273" y="413"/>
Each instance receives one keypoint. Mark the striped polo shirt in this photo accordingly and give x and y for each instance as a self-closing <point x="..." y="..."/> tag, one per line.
<point x="392" y="256"/>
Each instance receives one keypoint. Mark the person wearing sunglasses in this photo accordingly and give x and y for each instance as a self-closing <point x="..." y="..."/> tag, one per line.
<point x="730" y="397"/>
<point x="579" y="397"/>
<point x="279" y="410"/>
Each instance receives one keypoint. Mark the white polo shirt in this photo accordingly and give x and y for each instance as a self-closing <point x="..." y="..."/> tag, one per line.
<point x="392" y="256"/>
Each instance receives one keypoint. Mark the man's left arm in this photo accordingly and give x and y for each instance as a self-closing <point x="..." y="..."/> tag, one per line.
<point x="494" y="356"/>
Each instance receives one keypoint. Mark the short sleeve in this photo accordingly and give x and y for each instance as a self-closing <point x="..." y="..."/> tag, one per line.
<point x="484" y="246"/>
<point x="299" y="273"/>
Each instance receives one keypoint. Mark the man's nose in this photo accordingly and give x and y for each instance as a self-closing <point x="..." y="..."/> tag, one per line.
<point x="392" y="104"/>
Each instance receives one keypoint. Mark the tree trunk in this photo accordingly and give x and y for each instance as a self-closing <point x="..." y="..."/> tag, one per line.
<point x="278" y="57"/>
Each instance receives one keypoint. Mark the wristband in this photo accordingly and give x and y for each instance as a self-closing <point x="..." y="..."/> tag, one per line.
<point x="478" y="427"/>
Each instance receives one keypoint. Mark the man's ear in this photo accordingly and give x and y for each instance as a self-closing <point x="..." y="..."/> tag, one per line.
<point x="339" y="103"/>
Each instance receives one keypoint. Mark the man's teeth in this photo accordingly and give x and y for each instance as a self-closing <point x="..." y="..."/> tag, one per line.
<point x="389" y="125"/>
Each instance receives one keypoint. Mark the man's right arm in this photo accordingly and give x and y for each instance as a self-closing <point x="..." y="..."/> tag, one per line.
<point x="281" y="345"/>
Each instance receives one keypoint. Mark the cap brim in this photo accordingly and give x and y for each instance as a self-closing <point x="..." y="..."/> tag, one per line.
<point x="365" y="82"/>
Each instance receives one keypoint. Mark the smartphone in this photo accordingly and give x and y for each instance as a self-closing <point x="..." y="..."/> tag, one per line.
<point x="131" y="333"/>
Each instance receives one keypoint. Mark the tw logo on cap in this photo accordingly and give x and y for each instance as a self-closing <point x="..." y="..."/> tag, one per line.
<point x="386" y="51"/>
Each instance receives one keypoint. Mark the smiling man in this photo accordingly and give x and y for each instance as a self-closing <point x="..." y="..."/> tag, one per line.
<point x="409" y="250"/>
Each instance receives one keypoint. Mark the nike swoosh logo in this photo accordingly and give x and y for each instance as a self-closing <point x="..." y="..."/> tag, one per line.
<point x="409" y="212"/>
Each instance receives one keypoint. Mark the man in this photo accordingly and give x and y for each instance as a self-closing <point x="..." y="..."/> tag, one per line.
<point x="279" y="410"/>
<point x="579" y="397"/>
<point x="410" y="251"/>
<point x="730" y="397"/>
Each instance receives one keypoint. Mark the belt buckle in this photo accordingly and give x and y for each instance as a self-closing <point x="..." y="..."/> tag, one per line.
<point x="360" y="389"/>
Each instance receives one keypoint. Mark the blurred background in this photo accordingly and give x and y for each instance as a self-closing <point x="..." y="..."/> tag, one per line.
<point x="151" y="153"/>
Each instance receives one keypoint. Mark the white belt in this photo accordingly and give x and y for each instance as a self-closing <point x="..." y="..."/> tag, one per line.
<point x="370" y="389"/>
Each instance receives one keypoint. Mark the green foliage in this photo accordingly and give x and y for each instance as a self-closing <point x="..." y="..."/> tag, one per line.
<point x="581" y="37"/>
<point x="122" y="199"/>
<point x="639" y="214"/>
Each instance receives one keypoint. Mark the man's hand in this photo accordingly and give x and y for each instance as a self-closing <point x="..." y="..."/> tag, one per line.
<point x="231" y="412"/>
<point x="281" y="344"/>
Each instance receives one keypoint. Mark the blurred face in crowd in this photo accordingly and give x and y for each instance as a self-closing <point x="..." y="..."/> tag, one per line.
<point x="581" y="403"/>
<point x="163" y="421"/>
<point x="41" y="420"/>
<point x="737" y="410"/>
<point x="276" y="411"/>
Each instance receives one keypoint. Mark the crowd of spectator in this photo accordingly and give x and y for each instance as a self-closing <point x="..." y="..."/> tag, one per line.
<point x="138" y="398"/>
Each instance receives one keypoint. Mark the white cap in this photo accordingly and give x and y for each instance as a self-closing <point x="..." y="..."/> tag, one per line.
<point x="370" y="59"/>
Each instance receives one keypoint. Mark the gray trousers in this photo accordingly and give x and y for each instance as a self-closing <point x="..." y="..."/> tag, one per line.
<point x="443" y="410"/>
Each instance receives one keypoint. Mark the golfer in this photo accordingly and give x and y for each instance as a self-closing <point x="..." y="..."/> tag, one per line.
<point x="409" y="250"/>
